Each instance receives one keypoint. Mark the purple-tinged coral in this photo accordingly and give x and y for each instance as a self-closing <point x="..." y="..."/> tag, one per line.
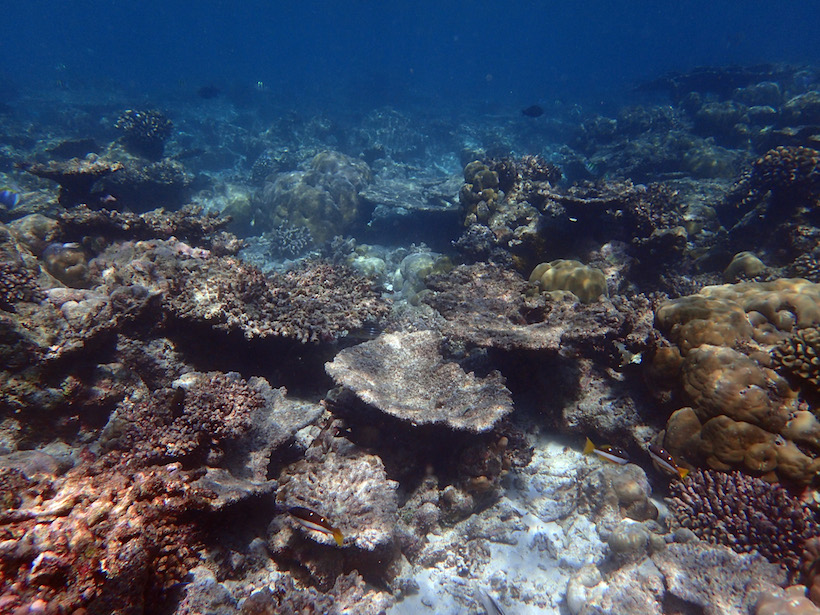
<point x="744" y="513"/>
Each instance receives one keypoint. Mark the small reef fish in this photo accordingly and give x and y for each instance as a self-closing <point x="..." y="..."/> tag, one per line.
<point x="9" y="198"/>
<point x="666" y="461"/>
<point x="533" y="111"/>
<point x="316" y="522"/>
<point x="610" y="453"/>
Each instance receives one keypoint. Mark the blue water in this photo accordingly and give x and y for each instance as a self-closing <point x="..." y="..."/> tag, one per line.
<point x="359" y="53"/>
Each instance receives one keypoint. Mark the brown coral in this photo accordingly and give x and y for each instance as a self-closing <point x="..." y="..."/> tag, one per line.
<point x="724" y="336"/>
<point x="317" y="302"/>
<point x="799" y="356"/>
<point x="789" y="175"/>
<point x="103" y="537"/>
<point x="746" y="514"/>
<point x="192" y="423"/>
<point x="18" y="284"/>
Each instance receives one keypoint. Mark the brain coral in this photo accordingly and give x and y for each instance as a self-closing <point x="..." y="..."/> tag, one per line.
<point x="586" y="283"/>
<point x="405" y="375"/>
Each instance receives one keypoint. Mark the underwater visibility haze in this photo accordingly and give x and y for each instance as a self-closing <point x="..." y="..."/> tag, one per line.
<point x="410" y="308"/>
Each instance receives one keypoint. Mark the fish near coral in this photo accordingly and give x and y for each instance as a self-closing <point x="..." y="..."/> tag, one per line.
<point x="665" y="461"/>
<point x="315" y="522"/>
<point x="613" y="454"/>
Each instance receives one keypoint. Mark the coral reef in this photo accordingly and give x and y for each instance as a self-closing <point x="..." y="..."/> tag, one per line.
<point x="102" y="537"/>
<point x="349" y="594"/>
<point x="288" y="241"/>
<point x="405" y="375"/>
<point x="789" y="175"/>
<point x="68" y="263"/>
<point x="76" y="177"/>
<point x="351" y="490"/>
<point x="18" y="284"/>
<point x="189" y="224"/>
<point x="192" y="423"/>
<point x="316" y="302"/>
<point x="145" y="132"/>
<point x="746" y="514"/>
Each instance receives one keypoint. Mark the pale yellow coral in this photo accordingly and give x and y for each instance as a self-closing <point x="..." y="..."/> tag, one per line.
<point x="586" y="283"/>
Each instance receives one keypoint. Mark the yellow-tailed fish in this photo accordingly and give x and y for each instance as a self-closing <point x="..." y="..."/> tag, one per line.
<point x="665" y="461"/>
<point x="316" y="522"/>
<point x="613" y="454"/>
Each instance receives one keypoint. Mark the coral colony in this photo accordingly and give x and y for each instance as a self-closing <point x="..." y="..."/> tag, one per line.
<point x="354" y="369"/>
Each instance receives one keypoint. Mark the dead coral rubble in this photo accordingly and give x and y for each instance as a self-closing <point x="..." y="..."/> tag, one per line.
<point x="103" y="537"/>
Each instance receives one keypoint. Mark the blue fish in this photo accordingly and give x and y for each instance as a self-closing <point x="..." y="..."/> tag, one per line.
<point x="9" y="198"/>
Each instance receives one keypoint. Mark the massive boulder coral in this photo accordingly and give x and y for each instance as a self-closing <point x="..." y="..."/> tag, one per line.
<point x="324" y="197"/>
<point x="744" y="415"/>
<point x="405" y="375"/>
<point x="586" y="283"/>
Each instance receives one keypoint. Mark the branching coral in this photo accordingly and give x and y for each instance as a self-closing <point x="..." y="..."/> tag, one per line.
<point x="145" y="132"/>
<point x="746" y="514"/>
<point x="17" y="284"/>
<point x="799" y="356"/>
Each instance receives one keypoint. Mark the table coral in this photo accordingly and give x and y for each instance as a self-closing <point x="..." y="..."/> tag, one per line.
<point x="405" y="375"/>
